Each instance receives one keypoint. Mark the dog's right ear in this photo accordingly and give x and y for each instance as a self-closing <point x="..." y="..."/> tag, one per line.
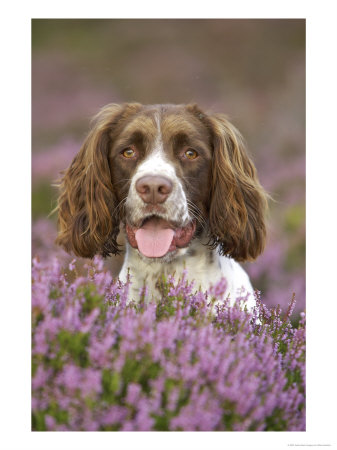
<point x="87" y="202"/>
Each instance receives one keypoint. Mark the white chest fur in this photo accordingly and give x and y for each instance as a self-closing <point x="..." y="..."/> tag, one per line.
<point x="205" y="266"/>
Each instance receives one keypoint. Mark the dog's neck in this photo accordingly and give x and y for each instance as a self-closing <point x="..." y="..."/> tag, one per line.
<point x="197" y="259"/>
<point x="204" y="266"/>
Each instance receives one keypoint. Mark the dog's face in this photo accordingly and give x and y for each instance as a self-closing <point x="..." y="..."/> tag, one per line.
<point x="167" y="173"/>
<point x="159" y="159"/>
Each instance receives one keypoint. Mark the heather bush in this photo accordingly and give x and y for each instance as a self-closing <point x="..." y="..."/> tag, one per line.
<point x="102" y="362"/>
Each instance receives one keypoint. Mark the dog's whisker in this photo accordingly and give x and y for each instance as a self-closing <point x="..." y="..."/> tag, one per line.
<point x="121" y="181"/>
<point x="197" y="214"/>
<point x="198" y="220"/>
<point x="120" y="205"/>
<point x="195" y="211"/>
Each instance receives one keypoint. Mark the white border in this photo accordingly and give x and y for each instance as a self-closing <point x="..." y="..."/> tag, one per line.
<point x="321" y="223"/>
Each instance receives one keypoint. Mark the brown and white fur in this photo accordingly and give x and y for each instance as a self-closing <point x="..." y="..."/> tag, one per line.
<point x="172" y="167"/>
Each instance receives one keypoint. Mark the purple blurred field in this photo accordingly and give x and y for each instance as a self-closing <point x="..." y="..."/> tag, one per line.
<point x="252" y="70"/>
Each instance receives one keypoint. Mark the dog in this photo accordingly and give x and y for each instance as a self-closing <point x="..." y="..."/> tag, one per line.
<point x="181" y="187"/>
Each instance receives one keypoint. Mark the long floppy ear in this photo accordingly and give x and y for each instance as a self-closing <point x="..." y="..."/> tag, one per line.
<point x="238" y="201"/>
<point x="87" y="201"/>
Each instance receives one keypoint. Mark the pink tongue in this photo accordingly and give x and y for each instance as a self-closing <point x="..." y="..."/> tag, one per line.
<point x="153" y="239"/>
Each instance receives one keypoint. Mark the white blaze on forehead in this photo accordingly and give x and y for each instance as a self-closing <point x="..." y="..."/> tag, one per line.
<point x="157" y="163"/>
<point x="159" y="140"/>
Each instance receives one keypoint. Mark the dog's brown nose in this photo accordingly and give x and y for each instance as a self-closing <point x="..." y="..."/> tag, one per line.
<point x="153" y="189"/>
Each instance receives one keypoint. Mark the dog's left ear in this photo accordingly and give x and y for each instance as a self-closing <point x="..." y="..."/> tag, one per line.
<point x="237" y="202"/>
<point x="87" y="220"/>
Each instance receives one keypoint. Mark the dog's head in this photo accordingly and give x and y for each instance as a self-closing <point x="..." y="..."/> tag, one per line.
<point x="167" y="173"/>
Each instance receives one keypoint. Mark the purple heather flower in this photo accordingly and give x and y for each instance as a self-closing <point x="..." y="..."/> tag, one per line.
<point x="50" y="422"/>
<point x="219" y="289"/>
<point x="133" y="393"/>
<point x="70" y="377"/>
<point x="115" y="415"/>
<point x="91" y="381"/>
<point x="72" y="264"/>
<point x="40" y="378"/>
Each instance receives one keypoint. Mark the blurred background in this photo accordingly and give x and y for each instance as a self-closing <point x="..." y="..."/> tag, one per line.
<point x="252" y="70"/>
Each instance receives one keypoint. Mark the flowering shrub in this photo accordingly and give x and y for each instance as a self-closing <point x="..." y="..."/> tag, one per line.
<point x="102" y="363"/>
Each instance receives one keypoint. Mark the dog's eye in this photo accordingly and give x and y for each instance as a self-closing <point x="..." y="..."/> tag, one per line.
<point x="129" y="153"/>
<point x="191" y="153"/>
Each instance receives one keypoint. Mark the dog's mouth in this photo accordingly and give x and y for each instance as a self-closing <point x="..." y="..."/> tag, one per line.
<point x="156" y="236"/>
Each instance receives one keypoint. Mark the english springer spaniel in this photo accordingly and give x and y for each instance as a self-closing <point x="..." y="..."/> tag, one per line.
<point x="179" y="183"/>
